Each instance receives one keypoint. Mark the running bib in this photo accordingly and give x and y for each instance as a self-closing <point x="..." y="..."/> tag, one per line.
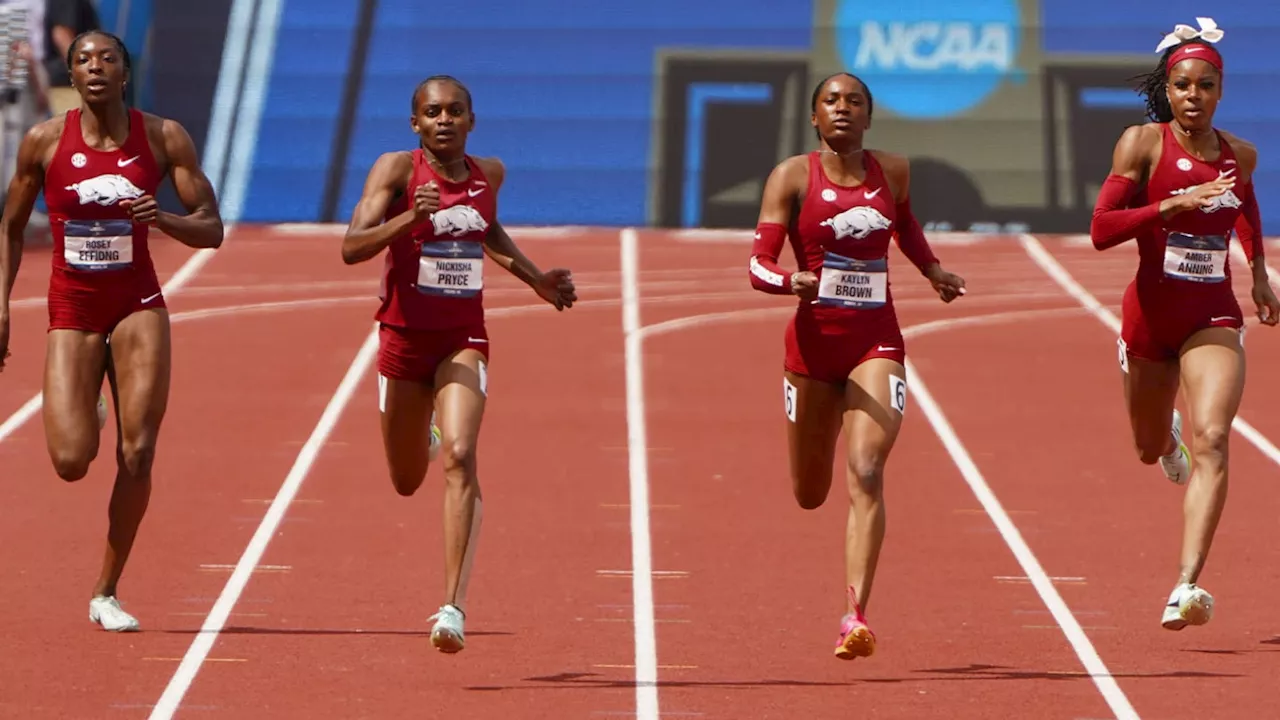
<point x="96" y="245"/>
<point x="849" y="283"/>
<point x="1196" y="258"/>
<point x="451" y="268"/>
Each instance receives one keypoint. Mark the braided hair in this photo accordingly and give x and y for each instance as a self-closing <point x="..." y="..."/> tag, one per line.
<point x="1152" y="85"/>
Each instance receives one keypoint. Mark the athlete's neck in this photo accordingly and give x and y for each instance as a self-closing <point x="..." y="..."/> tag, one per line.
<point x="100" y="122"/>
<point x="452" y="165"/>
<point x="1201" y="142"/>
<point x="848" y="156"/>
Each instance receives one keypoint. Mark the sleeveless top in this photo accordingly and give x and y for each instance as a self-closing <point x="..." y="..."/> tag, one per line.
<point x="433" y="277"/>
<point x="95" y="242"/>
<point x="842" y="234"/>
<point x="1188" y="252"/>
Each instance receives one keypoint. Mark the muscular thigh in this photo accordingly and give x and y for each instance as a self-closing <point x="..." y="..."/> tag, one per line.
<point x="405" y="406"/>
<point x="140" y="358"/>
<point x="1150" y="392"/>
<point x="75" y="363"/>
<point x="462" y="388"/>
<point x="813" y="410"/>
<point x="1213" y="375"/>
<point x="875" y="400"/>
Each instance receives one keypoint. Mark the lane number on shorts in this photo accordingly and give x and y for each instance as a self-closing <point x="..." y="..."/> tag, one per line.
<point x="1124" y="356"/>
<point x="382" y="393"/>
<point x="789" y="399"/>
<point x="484" y="379"/>
<point x="898" y="393"/>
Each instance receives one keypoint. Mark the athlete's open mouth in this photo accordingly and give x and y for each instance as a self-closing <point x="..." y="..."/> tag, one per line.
<point x="96" y="84"/>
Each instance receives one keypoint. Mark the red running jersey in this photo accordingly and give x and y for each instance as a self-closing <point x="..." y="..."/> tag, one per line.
<point x="843" y="234"/>
<point x="1189" y="248"/>
<point x="95" y="242"/>
<point x="433" y="278"/>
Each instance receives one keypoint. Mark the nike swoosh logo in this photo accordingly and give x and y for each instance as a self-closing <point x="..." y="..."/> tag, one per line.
<point x="124" y="163"/>
<point x="868" y="194"/>
<point x="146" y="300"/>
<point x="473" y="193"/>
<point x="477" y="340"/>
<point x="882" y="348"/>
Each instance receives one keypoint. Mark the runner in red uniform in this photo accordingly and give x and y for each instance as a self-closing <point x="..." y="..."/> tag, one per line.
<point x="99" y="166"/>
<point x="435" y="210"/>
<point x="841" y="205"/>
<point x="1180" y="186"/>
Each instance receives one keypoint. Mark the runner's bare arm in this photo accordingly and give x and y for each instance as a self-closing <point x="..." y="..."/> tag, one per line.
<point x="24" y="189"/>
<point x="499" y="246"/>
<point x="201" y="227"/>
<point x="556" y="285"/>
<point x="366" y="234"/>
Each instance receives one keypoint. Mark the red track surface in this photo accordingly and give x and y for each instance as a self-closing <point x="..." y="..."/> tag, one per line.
<point x="747" y="587"/>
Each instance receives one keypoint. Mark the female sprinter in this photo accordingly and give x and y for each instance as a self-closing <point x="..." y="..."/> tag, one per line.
<point x="840" y="205"/>
<point x="99" y="166"/>
<point x="1180" y="186"/>
<point x="436" y="209"/>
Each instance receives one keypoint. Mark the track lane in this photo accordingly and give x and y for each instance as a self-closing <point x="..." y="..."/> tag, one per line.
<point x="239" y="408"/>
<point x="750" y="592"/>
<point x="1222" y="668"/>
<point x="364" y="565"/>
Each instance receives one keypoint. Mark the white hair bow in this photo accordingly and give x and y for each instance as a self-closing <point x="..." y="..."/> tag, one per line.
<point x="1209" y="31"/>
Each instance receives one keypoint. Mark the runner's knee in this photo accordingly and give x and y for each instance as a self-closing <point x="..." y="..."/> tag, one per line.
<point x="408" y="480"/>
<point x="1152" y="446"/>
<point x="810" y="483"/>
<point x="1210" y="443"/>
<point x="866" y="477"/>
<point x="458" y="457"/>
<point x="808" y="497"/>
<point x="71" y="465"/>
<point x="137" y="455"/>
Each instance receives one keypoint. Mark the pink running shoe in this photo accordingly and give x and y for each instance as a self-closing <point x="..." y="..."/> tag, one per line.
<point x="856" y="639"/>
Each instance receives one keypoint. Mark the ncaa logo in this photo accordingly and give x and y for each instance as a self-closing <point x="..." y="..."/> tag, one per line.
<point x="928" y="58"/>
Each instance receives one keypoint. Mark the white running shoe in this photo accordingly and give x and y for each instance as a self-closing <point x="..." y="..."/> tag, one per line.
<point x="1177" y="464"/>
<point x="106" y="611"/>
<point x="434" y="448"/>
<point x="447" y="634"/>
<point x="1188" y="605"/>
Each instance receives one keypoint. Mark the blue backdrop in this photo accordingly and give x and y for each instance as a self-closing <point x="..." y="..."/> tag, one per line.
<point x="564" y="90"/>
